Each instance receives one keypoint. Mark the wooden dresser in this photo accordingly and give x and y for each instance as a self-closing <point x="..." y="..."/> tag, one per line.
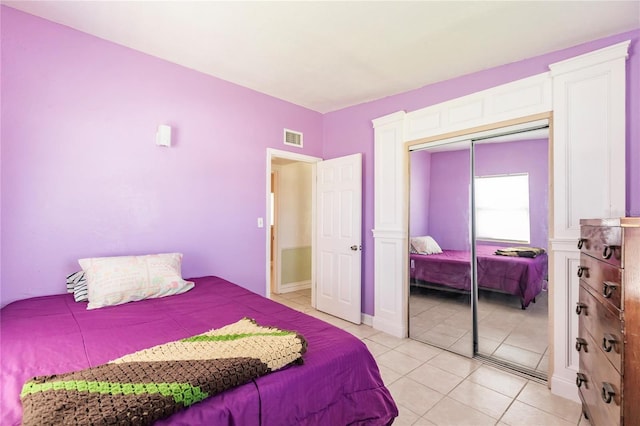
<point x="609" y="321"/>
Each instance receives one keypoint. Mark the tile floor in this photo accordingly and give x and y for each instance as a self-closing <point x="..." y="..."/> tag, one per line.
<point x="506" y="331"/>
<point x="432" y="386"/>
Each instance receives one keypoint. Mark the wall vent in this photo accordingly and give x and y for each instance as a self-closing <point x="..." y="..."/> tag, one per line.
<point x="292" y="138"/>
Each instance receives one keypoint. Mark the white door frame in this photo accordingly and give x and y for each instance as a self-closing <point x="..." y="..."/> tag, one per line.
<point x="276" y="153"/>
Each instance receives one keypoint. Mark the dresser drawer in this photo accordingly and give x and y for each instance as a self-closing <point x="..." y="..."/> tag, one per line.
<point x="598" y="379"/>
<point x="602" y="242"/>
<point x="605" y="279"/>
<point x="604" y="326"/>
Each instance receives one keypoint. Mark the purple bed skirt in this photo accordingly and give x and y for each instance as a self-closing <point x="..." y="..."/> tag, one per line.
<point x="338" y="384"/>
<point x="520" y="276"/>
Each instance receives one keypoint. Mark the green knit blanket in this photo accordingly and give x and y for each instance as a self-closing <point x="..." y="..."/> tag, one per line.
<point x="520" y="251"/>
<point x="154" y="383"/>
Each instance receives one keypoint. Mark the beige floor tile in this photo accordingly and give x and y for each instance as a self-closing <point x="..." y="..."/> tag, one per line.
<point x="388" y="375"/>
<point x="463" y="346"/>
<point x="301" y="300"/>
<point x="488" y="346"/>
<point x="480" y="398"/>
<point x="423" y="421"/>
<point x="387" y="339"/>
<point x="418" y="305"/>
<point x="461" y="320"/>
<point x="434" y="315"/>
<point x="500" y="381"/>
<point x="539" y="396"/>
<point x="435" y="378"/>
<point x="413" y="395"/>
<point x="398" y="362"/>
<point x="405" y="416"/>
<point x="493" y="332"/>
<point x="543" y="365"/>
<point x="375" y="348"/>
<point x="518" y="356"/>
<point x="455" y="364"/>
<point x="418" y="350"/>
<point x="361" y="331"/>
<point x="534" y="342"/>
<point x="449" y="412"/>
<point x="449" y="330"/>
<point x="521" y="414"/>
<point x="437" y="339"/>
<point x="298" y="307"/>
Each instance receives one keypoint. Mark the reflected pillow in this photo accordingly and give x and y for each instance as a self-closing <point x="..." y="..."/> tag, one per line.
<point x="122" y="279"/>
<point x="425" y="245"/>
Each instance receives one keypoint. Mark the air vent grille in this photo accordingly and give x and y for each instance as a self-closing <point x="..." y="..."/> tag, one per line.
<point x="292" y="138"/>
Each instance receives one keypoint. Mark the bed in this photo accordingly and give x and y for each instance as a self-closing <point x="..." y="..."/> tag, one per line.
<point x="339" y="382"/>
<point x="451" y="270"/>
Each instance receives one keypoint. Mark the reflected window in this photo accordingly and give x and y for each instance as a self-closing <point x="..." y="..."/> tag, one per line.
<point x="502" y="208"/>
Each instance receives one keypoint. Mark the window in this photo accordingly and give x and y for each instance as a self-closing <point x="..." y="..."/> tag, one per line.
<point x="502" y="208"/>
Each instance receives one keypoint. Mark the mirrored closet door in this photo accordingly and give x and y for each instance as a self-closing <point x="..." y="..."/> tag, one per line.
<point x="440" y="280"/>
<point x="511" y="181"/>
<point x="478" y="240"/>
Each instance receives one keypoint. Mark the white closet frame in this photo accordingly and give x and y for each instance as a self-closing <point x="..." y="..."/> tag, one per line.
<point x="584" y="97"/>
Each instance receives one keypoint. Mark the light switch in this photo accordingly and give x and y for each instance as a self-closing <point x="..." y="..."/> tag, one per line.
<point x="260" y="222"/>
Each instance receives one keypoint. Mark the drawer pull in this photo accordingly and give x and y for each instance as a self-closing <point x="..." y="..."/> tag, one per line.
<point x="581" y="307"/>
<point x="583" y="270"/>
<point x="580" y="343"/>
<point x="607" y="392"/>
<point x="607" y="252"/>
<point x="607" y="288"/>
<point x="581" y="242"/>
<point x="580" y="379"/>
<point x="608" y="341"/>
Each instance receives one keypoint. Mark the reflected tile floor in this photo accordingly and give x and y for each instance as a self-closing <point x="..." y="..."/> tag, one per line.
<point x="432" y="386"/>
<point x="507" y="332"/>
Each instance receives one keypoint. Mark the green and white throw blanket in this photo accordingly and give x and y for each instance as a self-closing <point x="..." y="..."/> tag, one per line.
<point x="520" y="251"/>
<point x="154" y="383"/>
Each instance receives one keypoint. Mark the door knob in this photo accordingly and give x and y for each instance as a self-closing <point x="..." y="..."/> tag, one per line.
<point x="356" y="248"/>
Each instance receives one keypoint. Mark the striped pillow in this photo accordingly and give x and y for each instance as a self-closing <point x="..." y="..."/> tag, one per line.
<point x="77" y="284"/>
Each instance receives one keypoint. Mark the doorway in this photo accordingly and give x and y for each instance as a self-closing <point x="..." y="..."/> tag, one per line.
<point x="335" y="252"/>
<point x="290" y="229"/>
<point x="289" y="232"/>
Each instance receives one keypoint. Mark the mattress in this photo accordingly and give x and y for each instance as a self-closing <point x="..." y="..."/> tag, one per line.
<point x="339" y="382"/>
<point x="520" y="276"/>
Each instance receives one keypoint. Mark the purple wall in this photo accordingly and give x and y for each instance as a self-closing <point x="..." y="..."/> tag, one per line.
<point x="448" y="200"/>
<point x="350" y="130"/>
<point x="419" y="186"/>
<point x="81" y="174"/>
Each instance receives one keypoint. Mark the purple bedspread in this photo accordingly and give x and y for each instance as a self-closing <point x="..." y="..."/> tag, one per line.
<point x="338" y="384"/>
<point x="520" y="276"/>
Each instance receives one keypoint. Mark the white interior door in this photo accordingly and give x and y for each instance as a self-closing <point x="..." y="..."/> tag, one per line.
<point x="339" y="237"/>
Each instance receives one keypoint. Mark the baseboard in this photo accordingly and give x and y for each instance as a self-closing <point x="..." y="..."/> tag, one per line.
<point x="367" y="319"/>
<point x="564" y="388"/>
<point x="389" y="327"/>
<point x="289" y="287"/>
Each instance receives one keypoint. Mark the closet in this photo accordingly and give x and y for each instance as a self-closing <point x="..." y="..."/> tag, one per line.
<point x="470" y="199"/>
<point x="585" y="96"/>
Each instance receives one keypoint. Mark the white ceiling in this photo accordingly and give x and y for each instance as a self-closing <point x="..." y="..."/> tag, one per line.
<point x="327" y="55"/>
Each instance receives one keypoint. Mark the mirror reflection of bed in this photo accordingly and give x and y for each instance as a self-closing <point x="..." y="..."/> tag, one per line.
<point x="506" y="318"/>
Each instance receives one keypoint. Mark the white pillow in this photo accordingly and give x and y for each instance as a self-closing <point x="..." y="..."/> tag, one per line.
<point x="122" y="279"/>
<point x="424" y="245"/>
